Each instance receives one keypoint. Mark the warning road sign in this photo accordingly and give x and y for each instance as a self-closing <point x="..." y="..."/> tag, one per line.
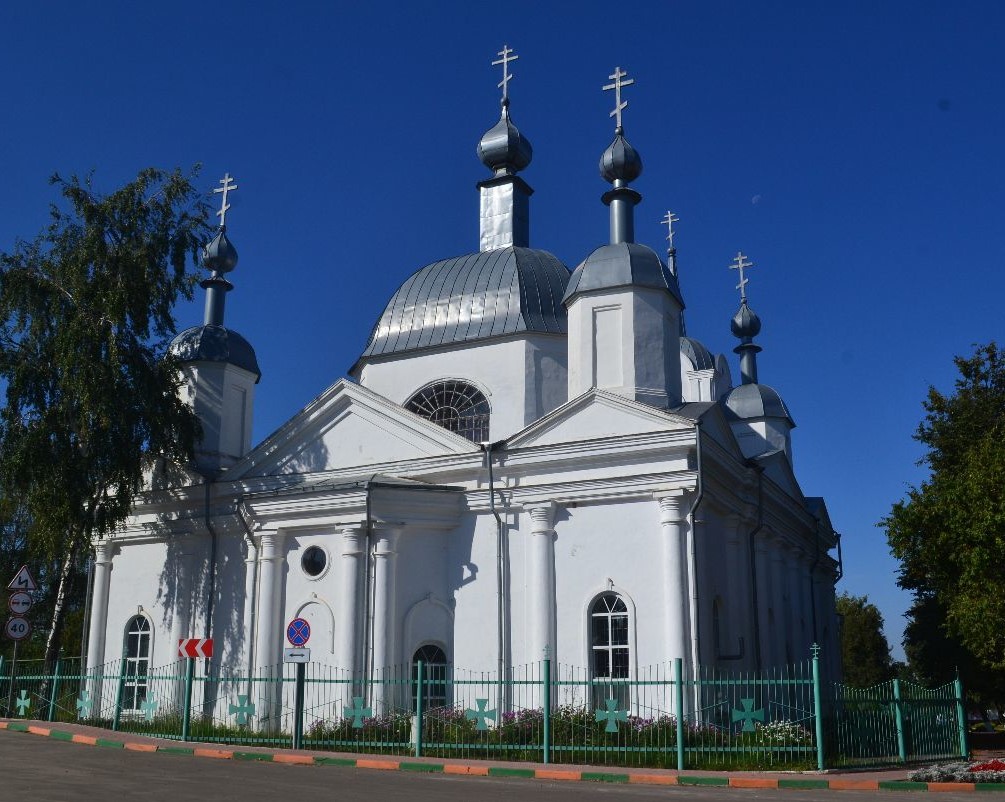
<point x="195" y="647"/>
<point x="23" y="581"/>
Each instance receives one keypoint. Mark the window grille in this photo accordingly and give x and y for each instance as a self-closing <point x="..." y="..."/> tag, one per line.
<point x="610" y="651"/>
<point x="137" y="657"/>
<point x="456" y="406"/>
<point x="434" y="669"/>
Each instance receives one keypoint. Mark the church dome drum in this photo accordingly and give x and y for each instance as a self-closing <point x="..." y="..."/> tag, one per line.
<point x="756" y="401"/>
<point x="209" y="343"/>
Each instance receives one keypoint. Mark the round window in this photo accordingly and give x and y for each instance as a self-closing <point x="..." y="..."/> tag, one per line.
<point x="314" y="561"/>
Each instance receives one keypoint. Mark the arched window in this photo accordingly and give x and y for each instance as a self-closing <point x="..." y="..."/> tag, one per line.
<point x="434" y="670"/>
<point x="456" y="406"/>
<point x="609" y="650"/>
<point x="137" y="659"/>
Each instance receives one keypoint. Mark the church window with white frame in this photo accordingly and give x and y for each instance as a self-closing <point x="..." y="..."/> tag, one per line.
<point x="137" y="662"/>
<point x="610" y="653"/>
<point x="434" y="676"/>
<point x="456" y="406"/>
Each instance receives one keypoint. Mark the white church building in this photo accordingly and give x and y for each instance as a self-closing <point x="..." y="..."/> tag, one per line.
<point x="525" y="461"/>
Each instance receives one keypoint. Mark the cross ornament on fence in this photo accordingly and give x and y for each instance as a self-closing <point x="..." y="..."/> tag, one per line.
<point x="84" y="705"/>
<point x="149" y="708"/>
<point x="358" y="712"/>
<point x="243" y="709"/>
<point x="612" y="714"/>
<point x="23" y="703"/>
<point x="481" y="715"/>
<point x="619" y="104"/>
<point x="748" y="715"/>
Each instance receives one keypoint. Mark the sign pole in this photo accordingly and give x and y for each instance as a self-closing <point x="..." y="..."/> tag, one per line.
<point x="186" y="714"/>
<point x="13" y="676"/>
<point x="298" y="722"/>
<point x="55" y="692"/>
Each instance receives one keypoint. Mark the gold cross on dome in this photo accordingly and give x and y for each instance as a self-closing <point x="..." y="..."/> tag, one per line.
<point x="228" y="186"/>
<point x="741" y="263"/>
<point x="619" y="105"/>
<point x="507" y="57"/>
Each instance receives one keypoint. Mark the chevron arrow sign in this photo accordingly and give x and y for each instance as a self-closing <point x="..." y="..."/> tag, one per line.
<point x="195" y="647"/>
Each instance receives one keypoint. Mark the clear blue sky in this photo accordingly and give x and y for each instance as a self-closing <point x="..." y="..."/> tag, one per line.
<point x="853" y="150"/>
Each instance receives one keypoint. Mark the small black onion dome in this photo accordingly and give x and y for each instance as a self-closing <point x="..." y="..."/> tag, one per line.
<point x="749" y="401"/>
<point x="220" y="255"/>
<point x="503" y="148"/>
<point x="745" y="323"/>
<point x="620" y="162"/>
<point x="209" y="343"/>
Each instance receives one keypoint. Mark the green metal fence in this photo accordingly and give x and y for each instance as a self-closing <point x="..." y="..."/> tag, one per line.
<point x="544" y="712"/>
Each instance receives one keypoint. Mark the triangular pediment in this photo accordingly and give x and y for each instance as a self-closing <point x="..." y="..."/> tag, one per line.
<point x="595" y="415"/>
<point x="778" y="469"/>
<point x="345" y="427"/>
<point x="714" y="424"/>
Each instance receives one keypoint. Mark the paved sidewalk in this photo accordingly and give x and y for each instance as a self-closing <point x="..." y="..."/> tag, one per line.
<point x="838" y="780"/>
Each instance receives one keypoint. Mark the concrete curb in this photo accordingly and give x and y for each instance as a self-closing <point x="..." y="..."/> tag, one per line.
<point x="485" y="769"/>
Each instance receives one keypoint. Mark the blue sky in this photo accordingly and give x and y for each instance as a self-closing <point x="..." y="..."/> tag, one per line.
<point x="852" y="150"/>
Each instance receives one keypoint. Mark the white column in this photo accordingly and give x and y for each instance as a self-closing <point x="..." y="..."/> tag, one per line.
<point x="541" y="583"/>
<point x="349" y="606"/>
<point x="384" y="617"/>
<point x="271" y="555"/>
<point x="673" y="510"/>
<point x="250" y="605"/>
<point x="99" y="622"/>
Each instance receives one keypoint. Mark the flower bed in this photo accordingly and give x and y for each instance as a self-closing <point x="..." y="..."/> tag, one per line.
<point x="964" y="771"/>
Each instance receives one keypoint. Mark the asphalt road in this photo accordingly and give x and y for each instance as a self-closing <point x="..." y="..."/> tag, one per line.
<point x="43" y="770"/>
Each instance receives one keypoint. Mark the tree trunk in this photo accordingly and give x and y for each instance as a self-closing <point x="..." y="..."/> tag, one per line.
<point x="54" y="640"/>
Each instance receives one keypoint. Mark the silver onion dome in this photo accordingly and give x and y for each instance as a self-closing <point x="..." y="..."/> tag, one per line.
<point x="751" y="401"/>
<point x="219" y="255"/>
<point x="620" y="162"/>
<point x="503" y="149"/>
<point x="745" y="324"/>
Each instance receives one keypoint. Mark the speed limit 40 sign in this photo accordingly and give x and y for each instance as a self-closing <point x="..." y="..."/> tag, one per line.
<point x="17" y="628"/>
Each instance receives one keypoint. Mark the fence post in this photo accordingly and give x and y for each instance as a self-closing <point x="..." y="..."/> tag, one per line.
<point x="898" y="714"/>
<point x="678" y="682"/>
<point x="55" y="692"/>
<point x="298" y="705"/>
<point x="818" y="706"/>
<point x="547" y="710"/>
<point x="961" y="717"/>
<point x="186" y="713"/>
<point x="118" y="695"/>
<point x="419" y="704"/>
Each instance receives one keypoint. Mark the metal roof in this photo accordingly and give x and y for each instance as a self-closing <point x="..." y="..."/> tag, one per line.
<point x="755" y="401"/>
<point x="622" y="264"/>
<point x="215" y="344"/>
<point x="473" y="297"/>
<point x="700" y="357"/>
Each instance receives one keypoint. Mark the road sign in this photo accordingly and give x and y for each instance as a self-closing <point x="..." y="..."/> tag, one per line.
<point x="19" y="603"/>
<point x="17" y="628"/>
<point x="298" y="632"/>
<point x="195" y="647"/>
<point x="23" y="581"/>
<point x="296" y="655"/>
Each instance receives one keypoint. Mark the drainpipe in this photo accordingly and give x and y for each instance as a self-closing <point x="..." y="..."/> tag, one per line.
<point x="368" y="564"/>
<point x="693" y="560"/>
<point x="501" y="578"/>
<point x="753" y="563"/>
<point x="252" y="600"/>
<point x="212" y="570"/>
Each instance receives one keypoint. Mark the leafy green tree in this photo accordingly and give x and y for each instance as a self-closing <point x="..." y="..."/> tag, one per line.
<point x="865" y="653"/>
<point x="949" y="533"/>
<point x="85" y="313"/>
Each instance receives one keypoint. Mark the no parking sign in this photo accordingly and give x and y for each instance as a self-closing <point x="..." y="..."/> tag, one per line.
<point x="298" y="632"/>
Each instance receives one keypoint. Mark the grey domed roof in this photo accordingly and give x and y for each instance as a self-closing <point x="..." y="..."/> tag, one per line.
<point x="220" y="255"/>
<point x="620" y="162"/>
<point x="745" y="322"/>
<point x="621" y="265"/>
<point x="697" y="353"/>
<point x="503" y="148"/>
<point x="756" y="401"/>
<point x="215" y="344"/>
<point x="473" y="297"/>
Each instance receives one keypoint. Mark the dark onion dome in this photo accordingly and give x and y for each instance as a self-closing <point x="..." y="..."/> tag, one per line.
<point x="756" y="401"/>
<point x="620" y="162"/>
<point x="697" y="354"/>
<point x="745" y="323"/>
<point x="219" y="255"/>
<point x="215" y="344"/>
<point x="622" y="264"/>
<point x="473" y="297"/>
<point x="503" y="148"/>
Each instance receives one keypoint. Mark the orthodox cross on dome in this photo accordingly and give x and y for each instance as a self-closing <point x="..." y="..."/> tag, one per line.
<point x="228" y="186"/>
<point x="668" y="221"/>
<point x="619" y="104"/>
<point x="741" y="263"/>
<point x="507" y="57"/>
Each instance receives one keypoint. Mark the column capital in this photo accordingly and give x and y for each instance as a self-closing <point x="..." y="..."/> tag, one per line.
<point x="104" y="550"/>
<point x="352" y="540"/>
<point x="271" y="542"/>
<point x="673" y="506"/>
<point x="386" y="540"/>
<point x="542" y="517"/>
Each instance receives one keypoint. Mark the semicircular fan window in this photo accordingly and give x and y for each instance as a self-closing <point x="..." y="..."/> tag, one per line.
<point x="454" y="405"/>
